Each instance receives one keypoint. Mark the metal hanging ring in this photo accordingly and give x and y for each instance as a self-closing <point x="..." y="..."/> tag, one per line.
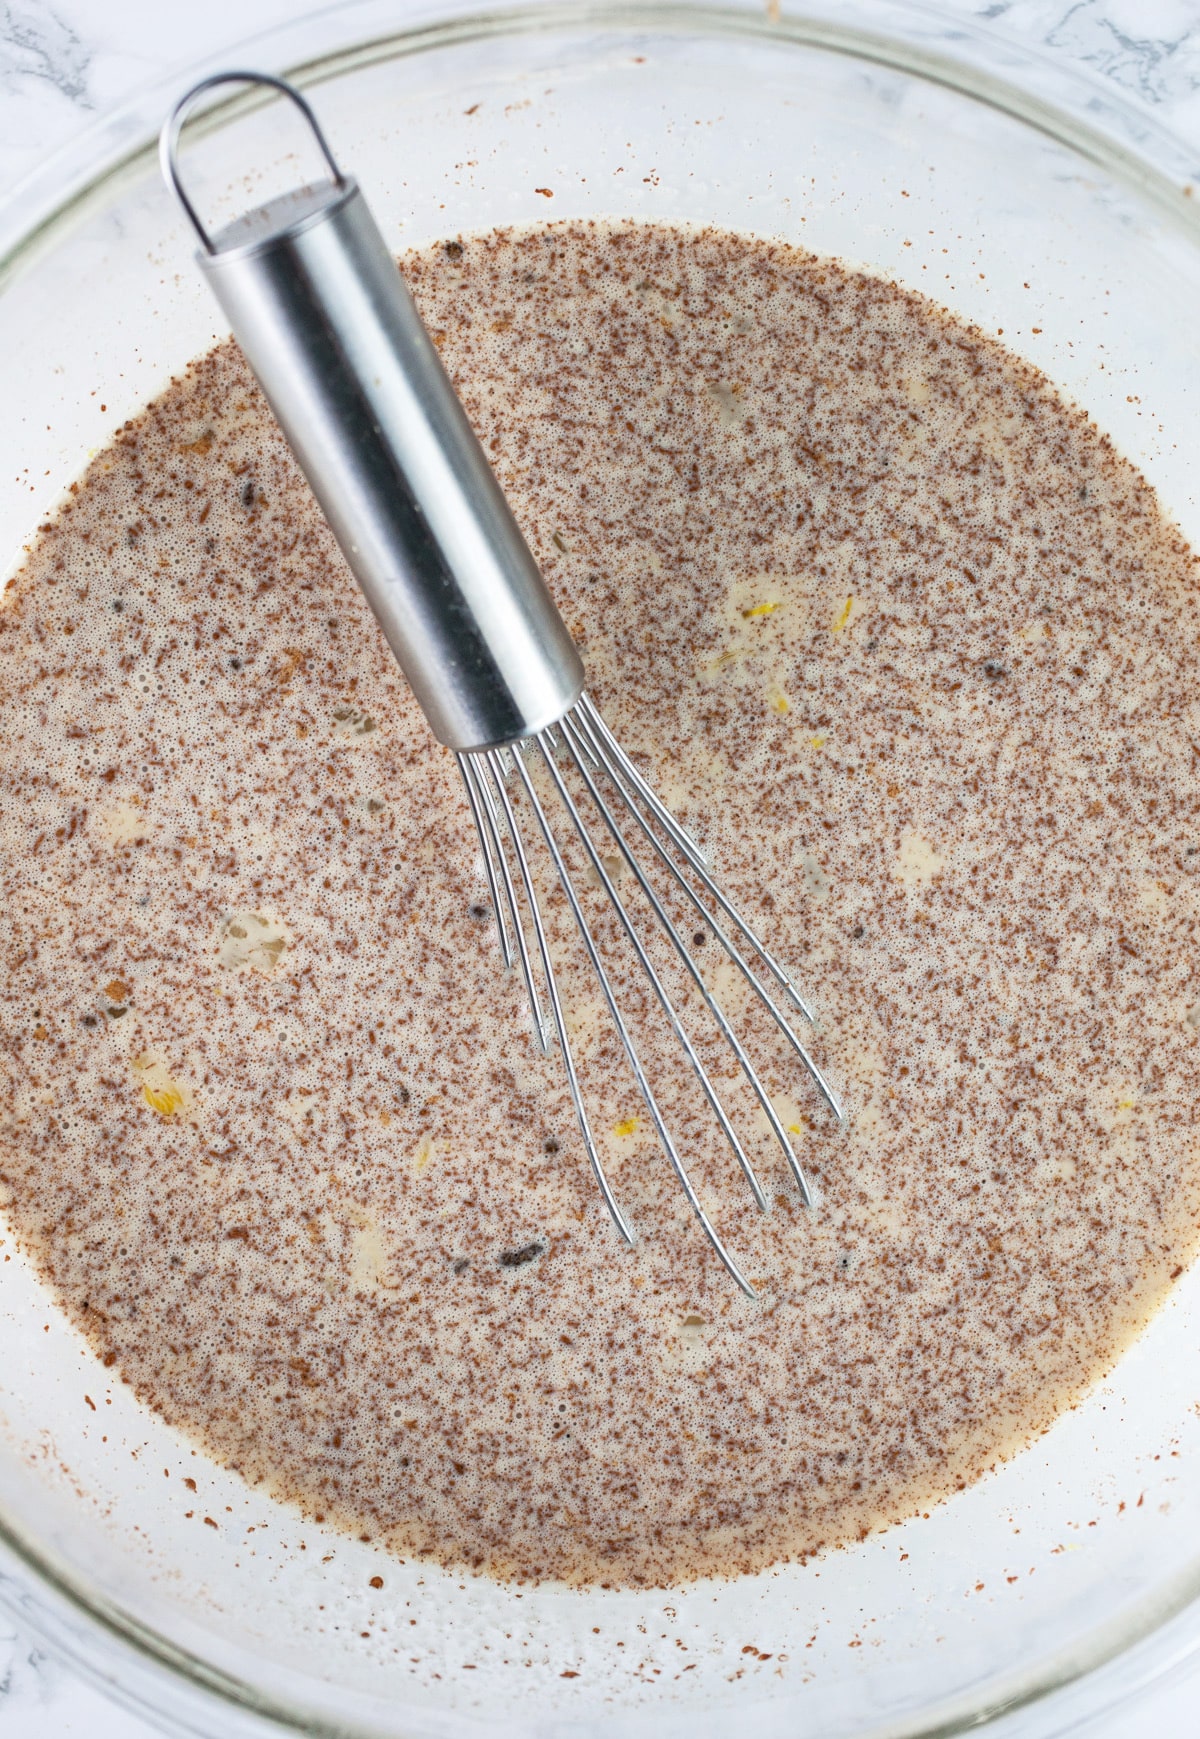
<point x="168" y="140"/>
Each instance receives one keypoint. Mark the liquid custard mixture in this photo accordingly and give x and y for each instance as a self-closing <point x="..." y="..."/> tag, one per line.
<point x="916" y="656"/>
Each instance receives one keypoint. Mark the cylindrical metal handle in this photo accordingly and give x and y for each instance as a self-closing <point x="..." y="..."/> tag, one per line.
<point x="327" y="324"/>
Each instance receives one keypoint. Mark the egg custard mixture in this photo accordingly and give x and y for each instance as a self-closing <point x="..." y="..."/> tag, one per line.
<point x="908" y="647"/>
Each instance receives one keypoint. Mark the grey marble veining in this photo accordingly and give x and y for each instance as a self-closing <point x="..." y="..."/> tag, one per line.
<point x="29" y="1678"/>
<point x="1158" y="68"/>
<point x="65" y="62"/>
<point x="37" y="44"/>
<point x="62" y="64"/>
<point x="43" y="1698"/>
<point x="1149" y="49"/>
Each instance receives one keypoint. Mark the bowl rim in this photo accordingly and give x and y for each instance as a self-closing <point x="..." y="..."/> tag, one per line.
<point x="1118" y="136"/>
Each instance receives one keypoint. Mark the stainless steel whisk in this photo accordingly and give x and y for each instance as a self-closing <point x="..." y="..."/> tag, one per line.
<point x="332" y="334"/>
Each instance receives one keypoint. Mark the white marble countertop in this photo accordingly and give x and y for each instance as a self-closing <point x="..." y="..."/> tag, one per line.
<point x="62" y="64"/>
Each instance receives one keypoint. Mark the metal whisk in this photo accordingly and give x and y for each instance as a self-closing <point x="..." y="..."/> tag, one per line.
<point x="334" y="338"/>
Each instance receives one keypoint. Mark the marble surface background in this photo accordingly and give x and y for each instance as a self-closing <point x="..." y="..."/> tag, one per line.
<point x="64" y="63"/>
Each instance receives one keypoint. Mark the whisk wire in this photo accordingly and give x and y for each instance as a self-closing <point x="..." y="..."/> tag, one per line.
<point x="697" y="976"/>
<point x="487" y="842"/>
<point x="684" y="843"/>
<point x="492" y="841"/>
<point x="644" y="961"/>
<point x="610" y="785"/>
<point x="597" y="965"/>
<point x="585" y="1128"/>
<point x="722" y="938"/>
<point x="660" y="913"/>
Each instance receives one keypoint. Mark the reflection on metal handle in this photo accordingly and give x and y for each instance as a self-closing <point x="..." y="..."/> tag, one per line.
<point x="329" y="328"/>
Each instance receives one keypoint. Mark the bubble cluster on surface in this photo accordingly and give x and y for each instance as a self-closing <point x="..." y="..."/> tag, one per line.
<point x="914" y="655"/>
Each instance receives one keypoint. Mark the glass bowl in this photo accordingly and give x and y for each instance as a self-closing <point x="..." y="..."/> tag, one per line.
<point x="1030" y="202"/>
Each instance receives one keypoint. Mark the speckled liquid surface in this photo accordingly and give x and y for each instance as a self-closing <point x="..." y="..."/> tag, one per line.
<point x="912" y="651"/>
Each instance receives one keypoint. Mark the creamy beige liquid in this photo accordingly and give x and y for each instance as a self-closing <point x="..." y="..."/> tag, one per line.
<point x="912" y="651"/>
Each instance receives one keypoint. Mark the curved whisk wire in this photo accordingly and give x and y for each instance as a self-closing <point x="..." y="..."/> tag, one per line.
<point x="625" y="804"/>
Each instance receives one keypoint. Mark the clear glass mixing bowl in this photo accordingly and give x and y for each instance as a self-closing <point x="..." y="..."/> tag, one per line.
<point x="1030" y="202"/>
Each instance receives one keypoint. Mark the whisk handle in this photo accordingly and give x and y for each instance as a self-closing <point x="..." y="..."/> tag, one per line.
<point x="332" y="333"/>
